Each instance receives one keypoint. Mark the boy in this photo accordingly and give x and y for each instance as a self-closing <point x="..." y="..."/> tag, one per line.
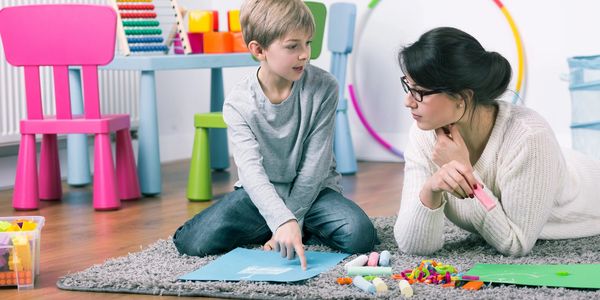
<point x="280" y="121"/>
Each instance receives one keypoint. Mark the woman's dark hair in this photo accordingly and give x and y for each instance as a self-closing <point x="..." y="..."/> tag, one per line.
<point x="453" y="61"/>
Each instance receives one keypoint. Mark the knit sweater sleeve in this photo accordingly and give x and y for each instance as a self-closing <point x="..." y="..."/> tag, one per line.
<point x="317" y="155"/>
<point x="418" y="229"/>
<point x="528" y="178"/>
<point x="529" y="166"/>
<point x="249" y="161"/>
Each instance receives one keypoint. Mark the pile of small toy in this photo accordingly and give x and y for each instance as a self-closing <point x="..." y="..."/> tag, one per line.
<point x="368" y="269"/>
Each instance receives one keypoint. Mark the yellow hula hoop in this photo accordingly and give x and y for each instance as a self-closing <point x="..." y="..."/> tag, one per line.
<point x="516" y="36"/>
<point x="354" y="90"/>
<point x="519" y="44"/>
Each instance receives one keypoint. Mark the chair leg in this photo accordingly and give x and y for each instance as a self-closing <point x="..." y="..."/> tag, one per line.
<point x="50" y="187"/>
<point x="200" y="181"/>
<point x="127" y="178"/>
<point x="25" y="196"/>
<point x="105" y="185"/>
<point x="78" y="160"/>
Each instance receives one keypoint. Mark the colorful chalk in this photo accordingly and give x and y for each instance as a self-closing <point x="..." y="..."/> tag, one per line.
<point x="354" y="271"/>
<point x="380" y="286"/>
<point x="487" y="202"/>
<point x="359" y="261"/>
<point x="405" y="288"/>
<point x="384" y="258"/>
<point x="364" y="285"/>
<point x="373" y="259"/>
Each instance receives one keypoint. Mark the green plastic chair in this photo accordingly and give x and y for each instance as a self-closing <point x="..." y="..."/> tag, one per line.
<point x="200" y="178"/>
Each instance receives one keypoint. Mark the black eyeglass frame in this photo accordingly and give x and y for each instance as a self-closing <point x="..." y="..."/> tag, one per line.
<point x="415" y="92"/>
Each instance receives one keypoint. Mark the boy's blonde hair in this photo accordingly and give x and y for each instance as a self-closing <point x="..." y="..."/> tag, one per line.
<point x="264" y="21"/>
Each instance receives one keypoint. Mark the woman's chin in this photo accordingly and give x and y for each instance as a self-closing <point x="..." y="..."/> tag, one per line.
<point x="424" y="126"/>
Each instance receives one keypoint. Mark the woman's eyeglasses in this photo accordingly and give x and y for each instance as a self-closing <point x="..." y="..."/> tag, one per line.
<point x="417" y="94"/>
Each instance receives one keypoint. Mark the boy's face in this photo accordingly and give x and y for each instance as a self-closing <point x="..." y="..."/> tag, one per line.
<point x="286" y="57"/>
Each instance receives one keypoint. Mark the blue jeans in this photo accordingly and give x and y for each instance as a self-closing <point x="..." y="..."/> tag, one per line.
<point x="234" y="221"/>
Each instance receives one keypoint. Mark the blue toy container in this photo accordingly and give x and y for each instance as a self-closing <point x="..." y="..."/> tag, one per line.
<point x="584" y="86"/>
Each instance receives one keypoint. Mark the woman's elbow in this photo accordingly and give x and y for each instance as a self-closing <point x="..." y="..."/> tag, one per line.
<point x="516" y="248"/>
<point x="413" y="245"/>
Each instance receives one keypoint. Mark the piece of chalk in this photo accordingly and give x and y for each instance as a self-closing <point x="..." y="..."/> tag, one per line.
<point x="380" y="286"/>
<point x="405" y="288"/>
<point x="359" y="261"/>
<point x="373" y="259"/>
<point x="562" y="273"/>
<point x="487" y="202"/>
<point x="363" y="284"/>
<point x="384" y="258"/>
<point x="469" y="277"/>
<point x="354" y="271"/>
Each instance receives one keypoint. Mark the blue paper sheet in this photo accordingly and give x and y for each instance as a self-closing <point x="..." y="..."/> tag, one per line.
<point x="258" y="265"/>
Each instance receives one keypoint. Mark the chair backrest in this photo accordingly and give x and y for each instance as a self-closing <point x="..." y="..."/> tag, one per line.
<point x="319" y="12"/>
<point x="59" y="36"/>
<point x="342" y="18"/>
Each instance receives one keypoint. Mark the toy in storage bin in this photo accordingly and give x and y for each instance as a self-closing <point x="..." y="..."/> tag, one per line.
<point x="584" y="86"/>
<point x="20" y="250"/>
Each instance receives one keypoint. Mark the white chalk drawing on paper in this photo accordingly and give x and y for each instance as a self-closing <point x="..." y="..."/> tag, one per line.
<point x="509" y="277"/>
<point x="257" y="270"/>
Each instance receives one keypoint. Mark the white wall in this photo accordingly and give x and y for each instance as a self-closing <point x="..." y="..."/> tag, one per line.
<point x="551" y="31"/>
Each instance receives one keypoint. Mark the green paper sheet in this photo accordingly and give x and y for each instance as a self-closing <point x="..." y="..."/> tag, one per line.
<point x="584" y="276"/>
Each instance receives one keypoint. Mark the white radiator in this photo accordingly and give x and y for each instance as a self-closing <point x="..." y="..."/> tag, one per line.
<point x="118" y="89"/>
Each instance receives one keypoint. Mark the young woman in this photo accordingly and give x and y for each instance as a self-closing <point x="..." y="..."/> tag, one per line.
<point x="465" y="139"/>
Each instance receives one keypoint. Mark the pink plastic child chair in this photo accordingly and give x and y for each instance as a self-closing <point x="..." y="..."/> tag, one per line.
<point x="61" y="36"/>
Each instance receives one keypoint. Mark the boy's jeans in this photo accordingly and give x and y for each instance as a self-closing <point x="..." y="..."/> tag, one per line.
<point x="234" y="221"/>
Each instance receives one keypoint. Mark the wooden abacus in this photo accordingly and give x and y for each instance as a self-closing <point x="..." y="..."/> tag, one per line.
<point x="140" y="31"/>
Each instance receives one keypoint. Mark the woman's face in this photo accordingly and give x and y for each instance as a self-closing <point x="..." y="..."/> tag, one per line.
<point x="435" y="110"/>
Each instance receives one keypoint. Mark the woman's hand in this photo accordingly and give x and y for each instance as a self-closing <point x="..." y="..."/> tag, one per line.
<point x="288" y="241"/>
<point x="450" y="146"/>
<point x="455" y="173"/>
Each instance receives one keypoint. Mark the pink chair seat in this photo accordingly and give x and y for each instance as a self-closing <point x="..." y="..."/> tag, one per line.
<point x="79" y="124"/>
<point x="61" y="36"/>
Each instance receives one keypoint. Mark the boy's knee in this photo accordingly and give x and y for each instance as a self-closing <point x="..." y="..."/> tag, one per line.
<point x="191" y="245"/>
<point x="191" y="242"/>
<point x="183" y="242"/>
<point x="361" y="236"/>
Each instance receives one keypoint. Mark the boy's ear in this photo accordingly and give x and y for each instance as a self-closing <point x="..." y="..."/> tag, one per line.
<point x="256" y="50"/>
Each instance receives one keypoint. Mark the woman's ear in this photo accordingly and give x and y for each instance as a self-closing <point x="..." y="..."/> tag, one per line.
<point x="467" y="95"/>
<point x="256" y="50"/>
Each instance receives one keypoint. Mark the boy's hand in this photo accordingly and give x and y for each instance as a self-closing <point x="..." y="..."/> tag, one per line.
<point x="288" y="241"/>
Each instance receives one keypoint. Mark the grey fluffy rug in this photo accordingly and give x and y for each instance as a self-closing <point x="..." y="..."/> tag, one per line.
<point x="154" y="271"/>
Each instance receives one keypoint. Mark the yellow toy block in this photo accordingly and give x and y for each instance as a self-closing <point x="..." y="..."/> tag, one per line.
<point x="233" y="21"/>
<point x="200" y="21"/>
<point x="22" y="251"/>
<point x="14" y="263"/>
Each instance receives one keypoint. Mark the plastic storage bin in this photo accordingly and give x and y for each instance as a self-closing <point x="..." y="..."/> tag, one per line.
<point x="584" y="86"/>
<point x="20" y="252"/>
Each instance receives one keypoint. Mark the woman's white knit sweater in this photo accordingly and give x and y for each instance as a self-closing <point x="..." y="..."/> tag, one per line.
<point x="540" y="192"/>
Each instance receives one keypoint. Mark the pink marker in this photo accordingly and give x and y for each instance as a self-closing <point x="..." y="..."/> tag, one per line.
<point x="484" y="198"/>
